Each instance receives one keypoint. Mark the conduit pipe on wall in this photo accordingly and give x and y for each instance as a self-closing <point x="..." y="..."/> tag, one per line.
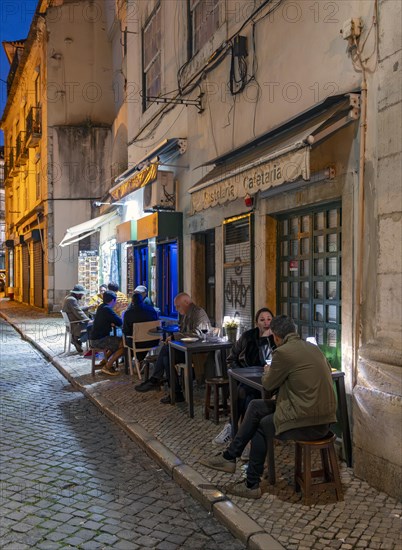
<point x="360" y="228"/>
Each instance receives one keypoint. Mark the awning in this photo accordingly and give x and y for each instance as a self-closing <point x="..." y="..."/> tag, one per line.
<point x="282" y="156"/>
<point x="145" y="171"/>
<point x="82" y="230"/>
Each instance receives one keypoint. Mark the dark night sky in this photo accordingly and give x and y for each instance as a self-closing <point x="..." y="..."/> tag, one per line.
<point x="15" y="20"/>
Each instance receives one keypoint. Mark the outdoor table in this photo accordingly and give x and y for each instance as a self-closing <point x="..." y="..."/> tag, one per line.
<point x="189" y="349"/>
<point x="164" y="330"/>
<point x="251" y="376"/>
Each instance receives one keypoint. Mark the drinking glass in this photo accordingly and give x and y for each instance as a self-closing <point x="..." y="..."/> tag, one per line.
<point x="204" y="330"/>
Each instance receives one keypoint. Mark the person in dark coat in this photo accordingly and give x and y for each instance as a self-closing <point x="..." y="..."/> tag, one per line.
<point x="143" y="291"/>
<point x="105" y="320"/>
<point x="138" y="312"/>
<point x="253" y="348"/>
<point x="76" y="312"/>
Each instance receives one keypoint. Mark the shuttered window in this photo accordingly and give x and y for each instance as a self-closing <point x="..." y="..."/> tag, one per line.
<point x="25" y="274"/>
<point x="238" y="270"/>
<point x="38" y="274"/>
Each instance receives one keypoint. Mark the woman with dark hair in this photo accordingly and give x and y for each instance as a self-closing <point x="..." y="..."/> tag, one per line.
<point x="253" y="348"/>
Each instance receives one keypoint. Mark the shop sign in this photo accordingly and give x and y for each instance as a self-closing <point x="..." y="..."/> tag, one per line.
<point x="138" y="180"/>
<point x="284" y="168"/>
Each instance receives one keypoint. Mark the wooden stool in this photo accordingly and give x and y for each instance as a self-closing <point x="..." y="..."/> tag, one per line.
<point x="97" y="365"/>
<point x="217" y="408"/>
<point x="329" y="470"/>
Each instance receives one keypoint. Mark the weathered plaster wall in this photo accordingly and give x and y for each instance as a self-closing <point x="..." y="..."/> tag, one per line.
<point x="377" y="411"/>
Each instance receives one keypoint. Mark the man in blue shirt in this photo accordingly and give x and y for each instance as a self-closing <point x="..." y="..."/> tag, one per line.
<point x="105" y="320"/>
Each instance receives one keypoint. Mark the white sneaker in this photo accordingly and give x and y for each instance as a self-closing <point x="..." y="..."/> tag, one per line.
<point x="225" y="436"/>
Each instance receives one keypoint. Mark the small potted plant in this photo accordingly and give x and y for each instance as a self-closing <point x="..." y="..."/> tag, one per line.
<point x="231" y="326"/>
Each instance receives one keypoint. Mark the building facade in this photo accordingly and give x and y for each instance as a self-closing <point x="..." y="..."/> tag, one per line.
<point x="226" y="160"/>
<point x="289" y="184"/>
<point x="58" y="140"/>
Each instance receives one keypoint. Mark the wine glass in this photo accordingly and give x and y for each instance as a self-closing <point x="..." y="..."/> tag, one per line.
<point x="204" y="330"/>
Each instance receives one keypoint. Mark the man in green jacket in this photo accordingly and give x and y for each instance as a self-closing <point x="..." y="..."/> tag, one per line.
<point x="304" y="409"/>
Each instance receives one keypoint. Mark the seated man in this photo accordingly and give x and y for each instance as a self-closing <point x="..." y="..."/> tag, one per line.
<point x="194" y="318"/>
<point x="75" y="312"/>
<point x="143" y="291"/>
<point x="138" y="312"/>
<point x="305" y="406"/>
<point x="122" y="302"/>
<point x="104" y="321"/>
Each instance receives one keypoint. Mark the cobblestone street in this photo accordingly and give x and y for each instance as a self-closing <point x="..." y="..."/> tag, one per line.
<point x="365" y="519"/>
<point x="71" y="479"/>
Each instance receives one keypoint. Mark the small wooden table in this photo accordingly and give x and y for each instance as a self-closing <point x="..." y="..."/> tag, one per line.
<point x="251" y="376"/>
<point x="189" y="349"/>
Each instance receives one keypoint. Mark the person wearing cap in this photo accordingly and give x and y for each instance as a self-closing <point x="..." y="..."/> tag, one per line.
<point x="75" y="312"/>
<point x="141" y="289"/>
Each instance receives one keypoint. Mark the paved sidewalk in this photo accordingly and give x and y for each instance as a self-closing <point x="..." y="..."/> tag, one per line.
<point x="365" y="519"/>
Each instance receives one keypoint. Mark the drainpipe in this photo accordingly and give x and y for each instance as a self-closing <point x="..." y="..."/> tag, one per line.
<point x="360" y="228"/>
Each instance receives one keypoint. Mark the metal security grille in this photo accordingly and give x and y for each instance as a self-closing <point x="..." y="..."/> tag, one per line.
<point x="25" y="274"/>
<point x="309" y="285"/>
<point x="237" y="270"/>
<point x="38" y="274"/>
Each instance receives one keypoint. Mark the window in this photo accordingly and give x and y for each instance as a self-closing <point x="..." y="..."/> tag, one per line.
<point x="205" y="21"/>
<point x="151" y="48"/>
<point x="238" y="271"/>
<point x="310" y="276"/>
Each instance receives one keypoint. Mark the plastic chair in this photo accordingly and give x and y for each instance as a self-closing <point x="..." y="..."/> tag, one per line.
<point x="140" y="334"/>
<point x="67" y="334"/>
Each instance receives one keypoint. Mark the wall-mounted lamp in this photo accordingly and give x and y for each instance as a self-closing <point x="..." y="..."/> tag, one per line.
<point x="68" y="40"/>
<point x="249" y="201"/>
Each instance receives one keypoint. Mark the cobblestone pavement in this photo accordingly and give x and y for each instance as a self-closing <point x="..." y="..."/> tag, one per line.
<point x="366" y="518"/>
<point x="70" y="478"/>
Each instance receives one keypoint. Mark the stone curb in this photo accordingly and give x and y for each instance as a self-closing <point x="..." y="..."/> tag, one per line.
<point x="225" y="511"/>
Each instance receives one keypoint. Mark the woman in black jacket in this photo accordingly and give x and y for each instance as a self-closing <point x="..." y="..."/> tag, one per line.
<point x="253" y="348"/>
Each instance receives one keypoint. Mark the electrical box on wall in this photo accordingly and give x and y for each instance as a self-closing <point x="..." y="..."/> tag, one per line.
<point x="161" y="193"/>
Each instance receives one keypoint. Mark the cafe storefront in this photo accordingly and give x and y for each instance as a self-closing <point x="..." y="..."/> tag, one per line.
<point x="284" y="205"/>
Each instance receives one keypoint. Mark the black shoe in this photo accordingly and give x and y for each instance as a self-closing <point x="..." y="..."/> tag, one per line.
<point x="149" y="385"/>
<point x="78" y="348"/>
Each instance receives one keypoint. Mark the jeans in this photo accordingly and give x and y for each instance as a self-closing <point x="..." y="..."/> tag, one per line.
<point x="162" y="366"/>
<point x="258" y="427"/>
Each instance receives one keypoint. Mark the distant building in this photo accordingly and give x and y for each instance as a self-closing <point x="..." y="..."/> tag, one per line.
<point x="58" y="141"/>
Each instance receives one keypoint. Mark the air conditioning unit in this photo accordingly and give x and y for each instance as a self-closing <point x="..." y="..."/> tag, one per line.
<point x="160" y="194"/>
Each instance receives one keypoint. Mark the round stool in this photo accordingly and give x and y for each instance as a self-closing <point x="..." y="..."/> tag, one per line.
<point x="218" y="407"/>
<point x="329" y="470"/>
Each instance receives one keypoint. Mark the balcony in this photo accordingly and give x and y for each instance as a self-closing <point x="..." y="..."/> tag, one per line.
<point x="9" y="167"/>
<point x="13" y="67"/>
<point x="33" y="127"/>
<point x="21" y="150"/>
